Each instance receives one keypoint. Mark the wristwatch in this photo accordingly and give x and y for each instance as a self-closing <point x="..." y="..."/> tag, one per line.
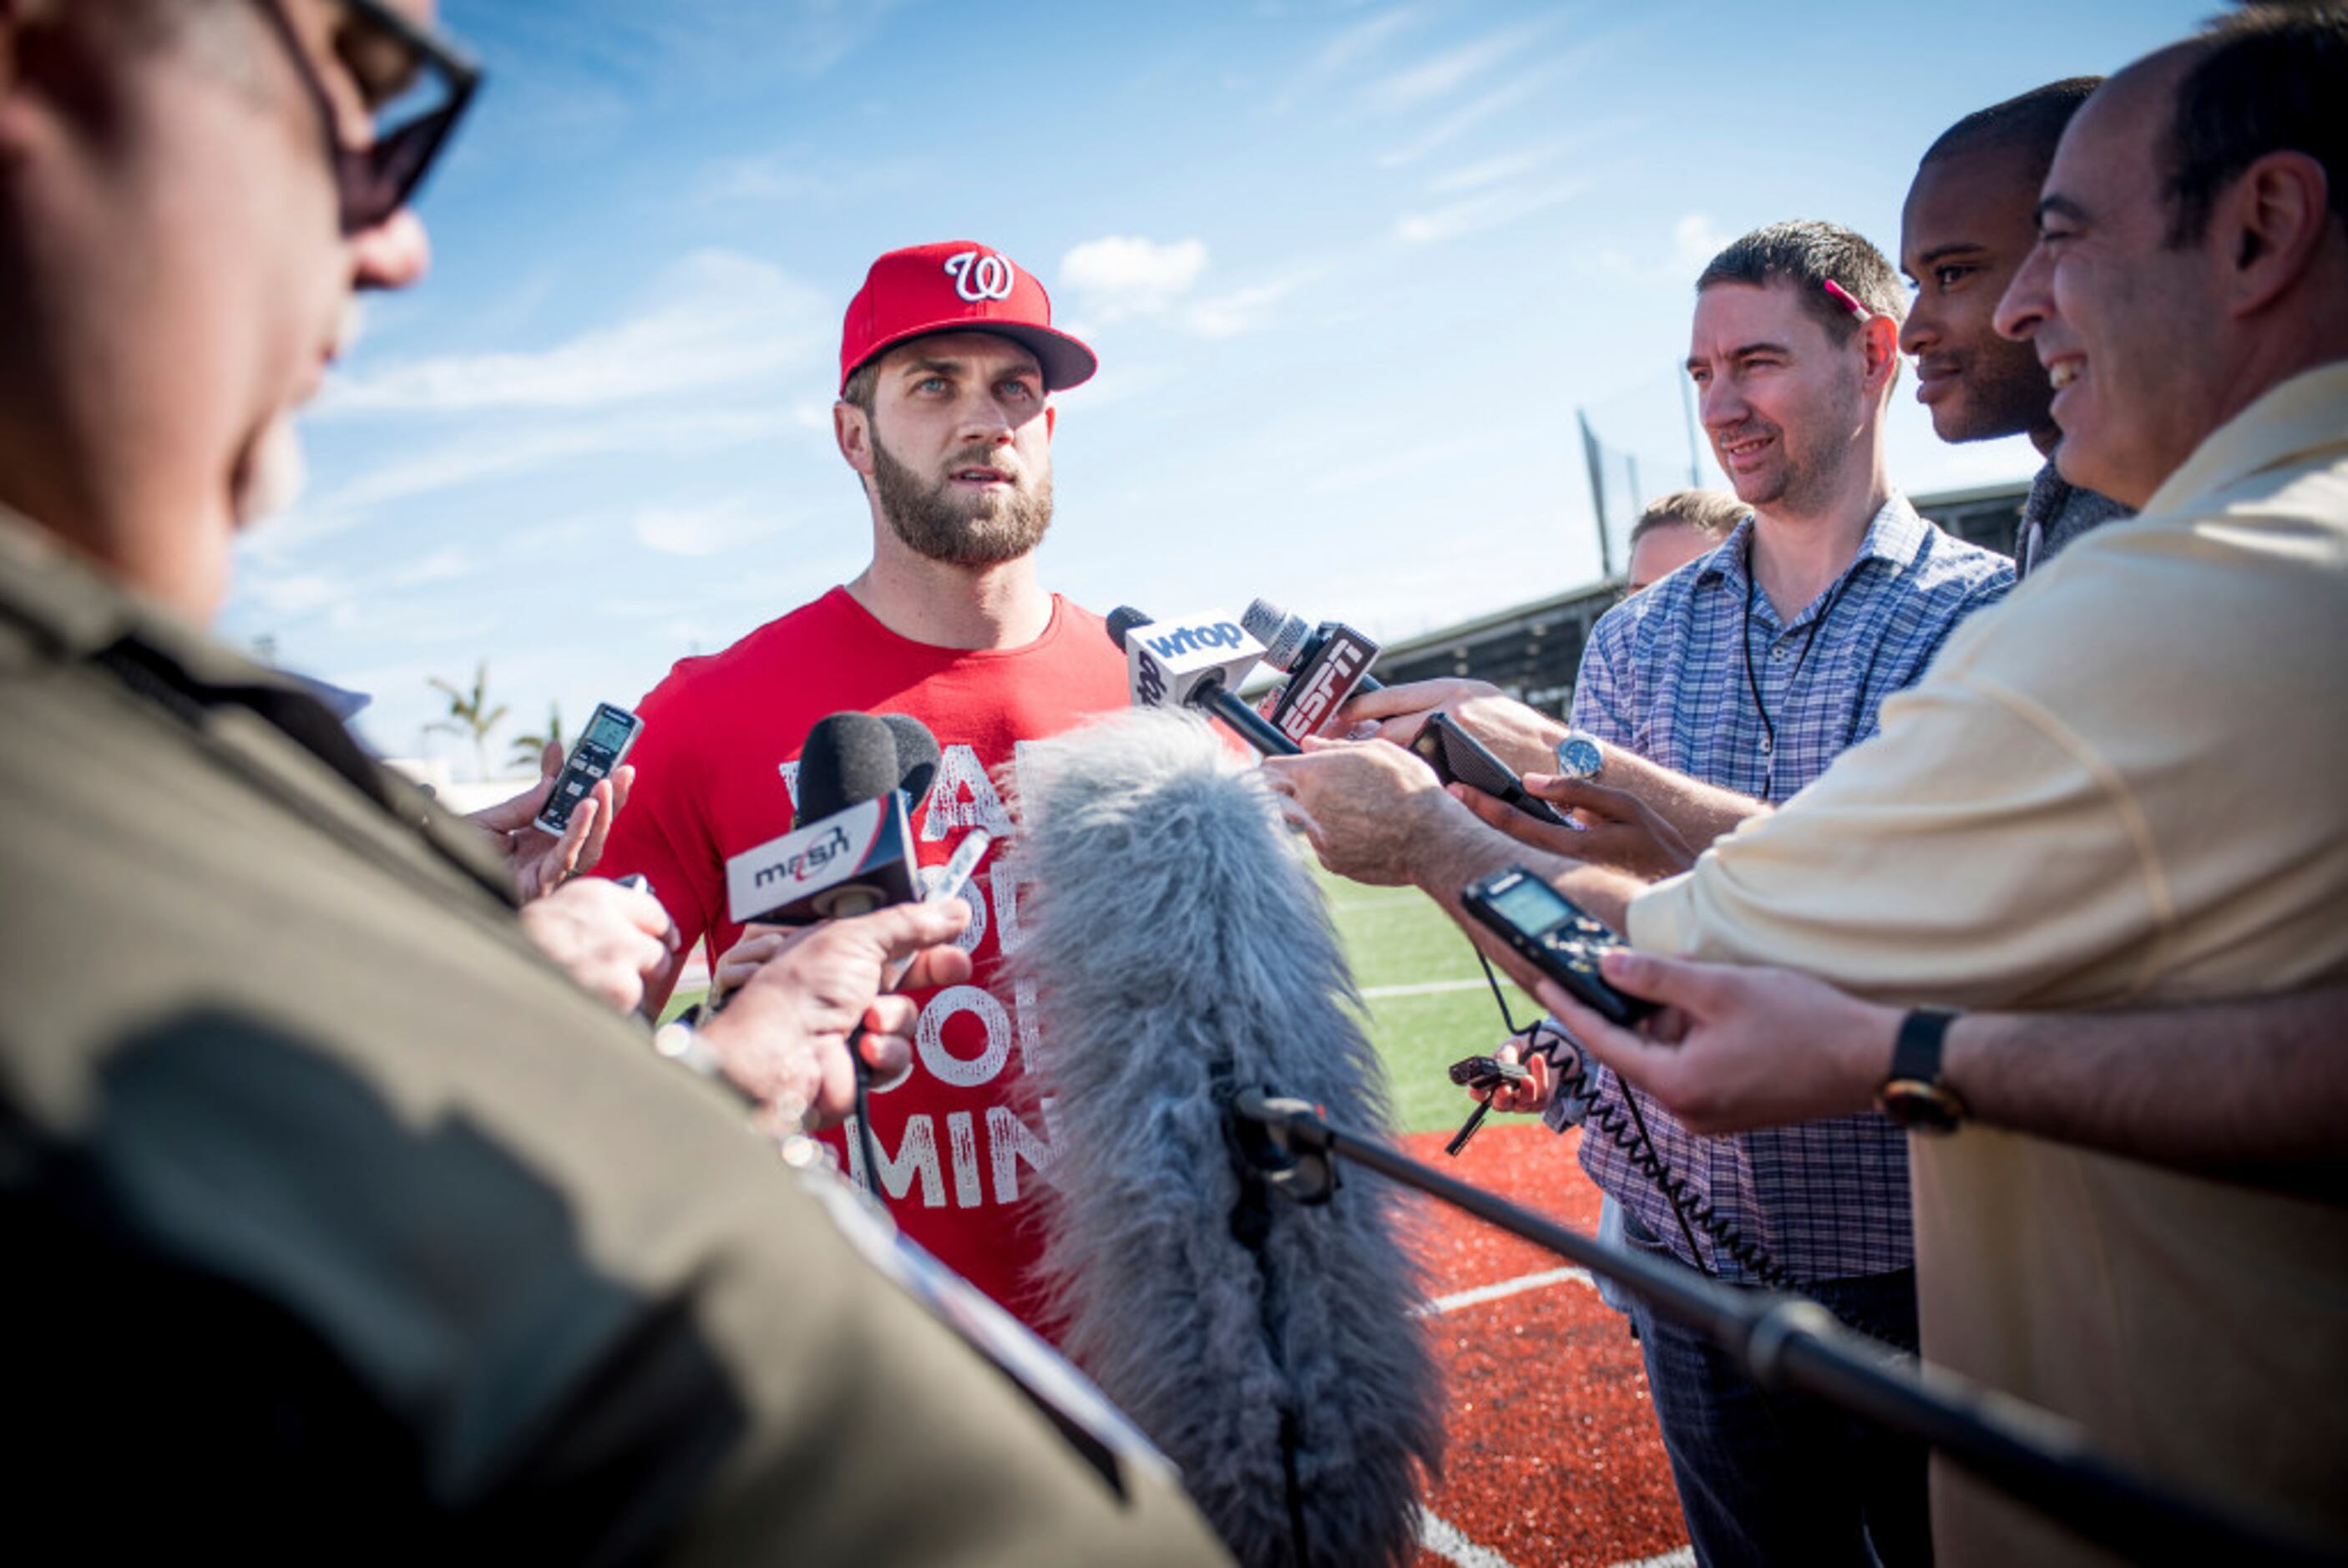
<point x="1580" y="756"/>
<point x="1915" y="1095"/>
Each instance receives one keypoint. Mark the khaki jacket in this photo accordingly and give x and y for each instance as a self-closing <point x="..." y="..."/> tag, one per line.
<point x="342" y="1226"/>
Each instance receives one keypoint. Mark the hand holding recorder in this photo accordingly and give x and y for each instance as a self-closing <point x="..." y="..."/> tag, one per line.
<point x="555" y="829"/>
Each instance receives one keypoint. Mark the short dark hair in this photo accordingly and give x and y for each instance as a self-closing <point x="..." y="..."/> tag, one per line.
<point x="863" y="386"/>
<point x="2265" y="79"/>
<point x="2029" y="123"/>
<point x="1709" y="511"/>
<point x="1807" y="253"/>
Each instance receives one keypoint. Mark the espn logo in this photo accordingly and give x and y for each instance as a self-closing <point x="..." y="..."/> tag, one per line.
<point x="1313" y="698"/>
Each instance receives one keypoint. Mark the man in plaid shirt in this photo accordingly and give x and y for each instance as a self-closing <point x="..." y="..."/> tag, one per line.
<point x="1744" y="673"/>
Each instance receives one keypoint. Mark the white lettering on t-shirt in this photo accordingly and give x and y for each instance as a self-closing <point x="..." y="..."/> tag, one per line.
<point x="963" y="799"/>
<point x="962" y="1141"/>
<point x="929" y="1037"/>
<point x="1007" y="884"/>
<point x="1023" y="1014"/>
<point x="1011" y="1141"/>
<point x="790" y="772"/>
<point x="917" y="1154"/>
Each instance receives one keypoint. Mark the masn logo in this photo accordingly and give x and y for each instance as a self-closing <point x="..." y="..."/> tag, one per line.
<point x="807" y="862"/>
<point x="1195" y="639"/>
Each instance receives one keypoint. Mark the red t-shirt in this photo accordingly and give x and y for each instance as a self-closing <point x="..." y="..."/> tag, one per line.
<point x="959" y="1149"/>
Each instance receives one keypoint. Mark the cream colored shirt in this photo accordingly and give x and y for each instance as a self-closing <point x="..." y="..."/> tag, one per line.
<point x="2128" y="784"/>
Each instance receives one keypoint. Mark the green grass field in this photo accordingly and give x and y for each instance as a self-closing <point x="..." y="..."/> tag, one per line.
<point x="1427" y="1002"/>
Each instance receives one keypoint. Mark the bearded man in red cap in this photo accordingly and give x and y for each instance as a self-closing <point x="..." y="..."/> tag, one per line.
<point x="948" y="360"/>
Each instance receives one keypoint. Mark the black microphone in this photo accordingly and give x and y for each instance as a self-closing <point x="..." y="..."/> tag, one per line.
<point x="1181" y="955"/>
<point x="852" y="762"/>
<point x="1195" y="664"/>
<point x="917" y="757"/>
<point x="851" y="849"/>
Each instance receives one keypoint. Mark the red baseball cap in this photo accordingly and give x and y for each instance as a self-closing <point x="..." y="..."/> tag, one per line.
<point x="957" y="286"/>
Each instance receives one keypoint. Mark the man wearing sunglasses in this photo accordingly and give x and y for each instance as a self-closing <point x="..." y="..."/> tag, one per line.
<point x="339" y="1223"/>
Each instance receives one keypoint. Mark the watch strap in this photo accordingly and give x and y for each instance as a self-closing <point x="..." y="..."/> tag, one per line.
<point x="1916" y="1049"/>
<point x="1913" y="1094"/>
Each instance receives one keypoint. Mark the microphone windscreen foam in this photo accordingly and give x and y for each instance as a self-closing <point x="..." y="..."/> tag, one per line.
<point x="1179" y="950"/>
<point x="1124" y="619"/>
<point x="849" y="758"/>
<point x="917" y="756"/>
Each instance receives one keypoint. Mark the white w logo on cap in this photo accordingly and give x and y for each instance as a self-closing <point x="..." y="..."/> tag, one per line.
<point x="981" y="275"/>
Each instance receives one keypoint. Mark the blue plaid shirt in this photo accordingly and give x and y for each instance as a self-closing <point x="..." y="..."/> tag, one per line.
<point x="1664" y="676"/>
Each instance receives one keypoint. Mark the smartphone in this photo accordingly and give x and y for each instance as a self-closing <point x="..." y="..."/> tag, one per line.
<point x="1486" y="1072"/>
<point x="1552" y="933"/>
<point x="599" y="750"/>
<point x="1458" y="757"/>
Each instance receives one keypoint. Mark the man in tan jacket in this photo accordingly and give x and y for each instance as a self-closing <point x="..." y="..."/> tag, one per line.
<point x="2121" y="787"/>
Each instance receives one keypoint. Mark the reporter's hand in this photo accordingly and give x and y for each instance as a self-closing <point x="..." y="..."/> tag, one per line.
<point x="783" y="1035"/>
<point x="1619" y="830"/>
<point x="611" y="940"/>
<point x="1736" y="1049"/>
<point x="1518" y="735"/>
<point x="538" y="862"/>
<point x="751" y="951"/>
<point x="1528" y="1095"/>
<point x="1363" y="804"/>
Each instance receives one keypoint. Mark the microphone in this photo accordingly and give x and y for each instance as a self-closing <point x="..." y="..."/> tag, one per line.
<point x="1195" y="664"/>
<point x="1290" y="641"/>
<point x="1180" y="956"/>
<point x="851" y="849"/>
<point x="918" y="755"/>
<point x="1330" y="663"/>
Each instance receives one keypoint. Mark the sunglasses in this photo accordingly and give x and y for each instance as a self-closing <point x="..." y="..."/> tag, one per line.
<point x="416" y="87"/>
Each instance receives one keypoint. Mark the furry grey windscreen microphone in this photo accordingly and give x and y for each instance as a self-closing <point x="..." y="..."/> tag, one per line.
<point x="1179" y="950"/>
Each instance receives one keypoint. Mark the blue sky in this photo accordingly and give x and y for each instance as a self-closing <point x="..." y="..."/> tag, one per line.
<point x="1351" y="270"/>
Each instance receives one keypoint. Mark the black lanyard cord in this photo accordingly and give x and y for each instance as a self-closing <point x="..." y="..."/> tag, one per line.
<point x="1809" y="641"/>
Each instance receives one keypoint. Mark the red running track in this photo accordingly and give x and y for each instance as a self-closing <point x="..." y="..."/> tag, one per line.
<point x="1553" y="1456"/>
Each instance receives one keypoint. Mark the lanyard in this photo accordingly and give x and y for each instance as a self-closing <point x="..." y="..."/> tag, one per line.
<point x="1809" y="641"/>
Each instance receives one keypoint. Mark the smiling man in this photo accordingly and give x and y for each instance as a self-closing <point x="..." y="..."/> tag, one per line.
<point x="948" y="360"/>
<point x="1715" y="695"/>
<point x="1970" y="220"/>
<point x="2123" y="789"/>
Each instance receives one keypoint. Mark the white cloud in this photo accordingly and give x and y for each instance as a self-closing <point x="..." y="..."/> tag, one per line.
<point x="441" y="566"/>
<point x="1488" y="211"/>
<point x="722" y="318"/>
<point x="291" y="595"/>
<point x="1491" y="172"/>
<point x="1447" y="72"/>
<point x="479" y="456"/>
<point x="708" y="530"/>
<point x="1355" y="43"/>
<point x="1695" y="240"/>
<point x="1245" y="309"/>
<point x="1477" y="110"/>
<point x="1120" y="275"/>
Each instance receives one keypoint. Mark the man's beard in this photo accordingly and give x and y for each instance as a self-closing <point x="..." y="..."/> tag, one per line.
<point x="984" y="530"/>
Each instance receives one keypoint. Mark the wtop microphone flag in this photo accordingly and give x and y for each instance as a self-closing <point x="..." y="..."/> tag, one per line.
<point x="1180" y="952"/>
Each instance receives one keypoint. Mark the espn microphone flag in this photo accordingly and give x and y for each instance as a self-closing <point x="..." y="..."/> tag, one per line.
<point x="1179" y="954"/>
